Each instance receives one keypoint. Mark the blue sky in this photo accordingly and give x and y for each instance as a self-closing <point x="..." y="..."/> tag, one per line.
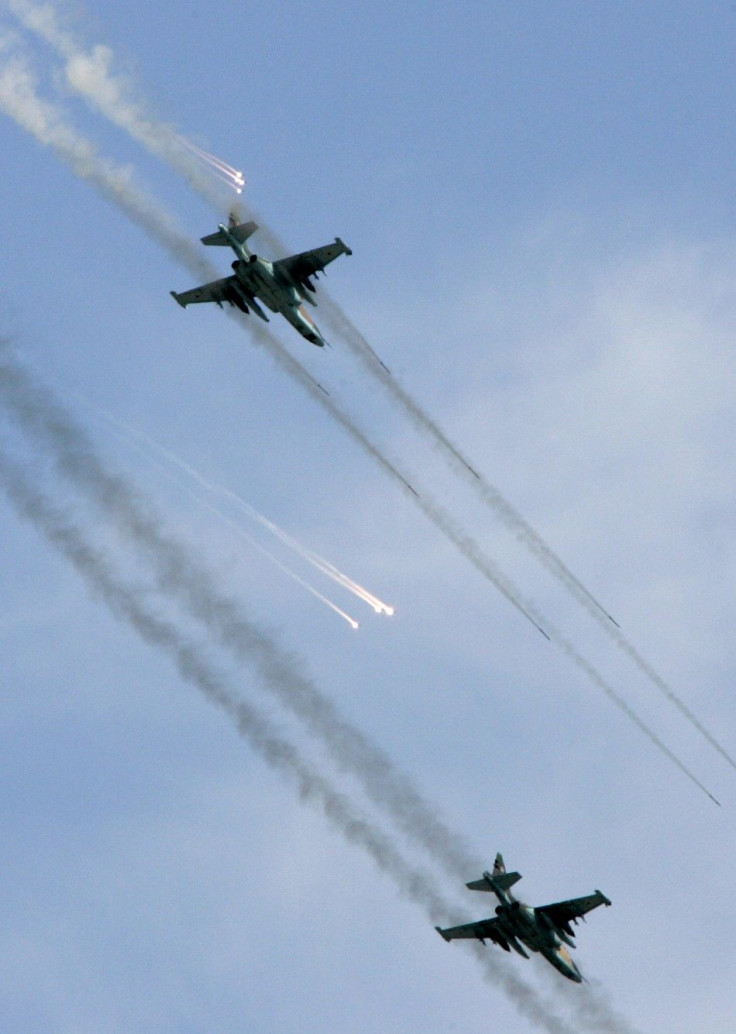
<point x="539" y="200"/>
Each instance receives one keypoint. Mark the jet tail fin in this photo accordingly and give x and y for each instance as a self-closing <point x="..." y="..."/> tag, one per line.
<point x="499" y="879"/>
<point x="241" y="231"/>
<point x="489" y="882"/>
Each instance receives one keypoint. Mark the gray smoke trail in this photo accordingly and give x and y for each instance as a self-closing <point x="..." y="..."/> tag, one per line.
<point x="181" y="575"/>
<point x="194" y="668"/>
<point x="597" y="679"/>
<point x="90" y="73"/>
<point x="592" y="1010"/>
<point x="46" y="123"/>
<point x="43" y="417"/>
<point x="510" y="517"/>
<point x="19" y="99"/>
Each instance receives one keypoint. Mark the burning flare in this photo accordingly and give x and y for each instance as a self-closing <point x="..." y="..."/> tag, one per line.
<point x="227" y="173"/>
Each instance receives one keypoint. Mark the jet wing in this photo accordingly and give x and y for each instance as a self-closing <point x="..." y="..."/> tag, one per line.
<point x="483" y="930"/>
<point x="217" y="291"/>
<point x="306" y="264"/>
<point x="562" y="912"/>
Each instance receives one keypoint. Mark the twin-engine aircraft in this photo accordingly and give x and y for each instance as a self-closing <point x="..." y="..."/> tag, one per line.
<point x="545" y="929"/>
<point x="282" y="286"/>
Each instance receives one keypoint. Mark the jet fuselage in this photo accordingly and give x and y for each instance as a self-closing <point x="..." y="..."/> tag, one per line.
<point x="259" y="280"/>
<point x="546" y="929"/>
<point x="281" y="286"/>
<point x="535" y="931"/>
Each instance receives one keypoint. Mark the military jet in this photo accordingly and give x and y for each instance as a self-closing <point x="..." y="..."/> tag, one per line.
<point x="282" y="286"/>
<point x="545" y="929"/>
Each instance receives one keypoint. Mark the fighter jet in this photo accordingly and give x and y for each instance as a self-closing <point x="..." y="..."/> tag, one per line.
<point x="282" y="286"/>
<point x="545" y="929"/>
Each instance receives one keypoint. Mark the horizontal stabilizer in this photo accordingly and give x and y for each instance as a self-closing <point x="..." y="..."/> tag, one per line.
<point x="502" y="881"/>
<point x="241" y="232"/>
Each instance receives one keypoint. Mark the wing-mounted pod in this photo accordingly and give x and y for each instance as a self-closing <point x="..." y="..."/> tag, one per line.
<point x="517" y="947"/>
<point x="563" y="929"/>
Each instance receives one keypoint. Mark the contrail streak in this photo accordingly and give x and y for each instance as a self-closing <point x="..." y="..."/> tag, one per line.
<point x="282" y="566"/>
<point x="181" y="576"/>
<point x="224" y="178"/>
<point x="97" y="175"/>
<point x="44" y="420"/>
<point x="21" y="101"/>
<point x="18" y="98"/>
<point x="89" y="72"/>
<point x="153" y="452"/>
<point x="233" y="176"/>
<point x="23" y="105"/>
<point x="195" y="668"/>
<point x="279" y="754"/>
<point x="493" y="498"/>
<point x="156" y="452"/>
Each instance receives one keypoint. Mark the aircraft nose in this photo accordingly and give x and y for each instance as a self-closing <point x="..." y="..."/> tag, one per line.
<point x="575" y="973"/>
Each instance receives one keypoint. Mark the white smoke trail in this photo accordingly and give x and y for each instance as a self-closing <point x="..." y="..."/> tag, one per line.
<point x="43" y="420"/>
<point x="283" y="567"/>
<point x="522" y="530"/>
<point x="19" y="99"/>
<point x="181" y="576"/>
<point x="46" y="122"/>
<point x="89" y="72"/>
<point x="193" y="665"/>
<point x="313" y="558"/>
<point x="279" y="754"/>
<point x="18" y="96"/>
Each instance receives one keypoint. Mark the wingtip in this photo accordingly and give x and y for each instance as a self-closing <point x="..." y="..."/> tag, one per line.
<point x="177" y="299"/>
<point x="442" y="934"/>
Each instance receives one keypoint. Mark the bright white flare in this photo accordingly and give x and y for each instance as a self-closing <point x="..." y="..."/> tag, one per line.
<point x="229" y="170"/>
<point x="157" y="452"/>
<point x="227" y="173"/>
<point x="317" y="561"/>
